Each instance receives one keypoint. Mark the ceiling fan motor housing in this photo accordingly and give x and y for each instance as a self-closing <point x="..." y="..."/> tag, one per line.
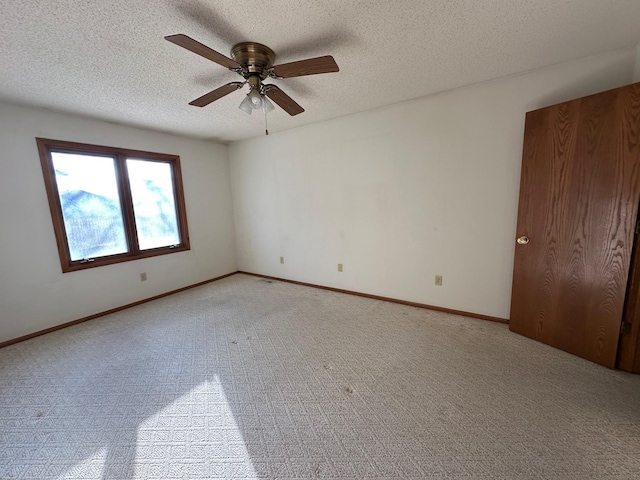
<point x="255" y="58"/>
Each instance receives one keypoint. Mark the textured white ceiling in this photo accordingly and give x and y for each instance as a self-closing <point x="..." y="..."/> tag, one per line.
<point x="108" y="59"/>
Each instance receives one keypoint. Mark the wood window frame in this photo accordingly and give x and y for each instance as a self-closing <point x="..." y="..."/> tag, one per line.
<point x="46" y="146"/>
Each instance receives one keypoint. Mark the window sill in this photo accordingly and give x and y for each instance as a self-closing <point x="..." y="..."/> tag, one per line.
<point x="125" y="257"/>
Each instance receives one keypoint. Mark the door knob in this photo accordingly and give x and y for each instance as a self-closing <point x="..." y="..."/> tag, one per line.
<point x="523" y="240"/>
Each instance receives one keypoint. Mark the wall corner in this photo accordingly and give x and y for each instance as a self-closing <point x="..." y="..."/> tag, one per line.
<point x="636" y="70"/>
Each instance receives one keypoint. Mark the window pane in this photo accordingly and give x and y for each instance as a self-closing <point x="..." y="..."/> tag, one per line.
<point x="90" y="202"/>
<point x="154" y="203"/>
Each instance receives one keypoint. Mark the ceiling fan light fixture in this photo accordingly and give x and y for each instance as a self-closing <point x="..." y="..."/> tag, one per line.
<point x="255" y="98"/>
<point x="254" y="101"/>
<point x="267" y="106"/>
<point x="246" y="105"/>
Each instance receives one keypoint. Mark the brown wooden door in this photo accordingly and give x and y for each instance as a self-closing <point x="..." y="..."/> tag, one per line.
<point x="579" y="194"/>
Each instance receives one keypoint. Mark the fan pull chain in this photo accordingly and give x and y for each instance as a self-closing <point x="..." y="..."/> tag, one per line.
<point x="266" y="130"/>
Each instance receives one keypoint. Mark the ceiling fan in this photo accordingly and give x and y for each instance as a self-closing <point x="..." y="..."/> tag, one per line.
<point x="254" y="62"/>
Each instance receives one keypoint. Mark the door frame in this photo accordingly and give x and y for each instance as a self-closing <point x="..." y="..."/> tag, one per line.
<point x="628" y="358"/>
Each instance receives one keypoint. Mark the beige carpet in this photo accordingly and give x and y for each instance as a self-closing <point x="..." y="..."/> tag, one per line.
<point x="243" y="378"/>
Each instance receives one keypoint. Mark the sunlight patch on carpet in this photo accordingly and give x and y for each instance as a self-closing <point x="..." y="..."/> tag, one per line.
<point x="198" y="426"/>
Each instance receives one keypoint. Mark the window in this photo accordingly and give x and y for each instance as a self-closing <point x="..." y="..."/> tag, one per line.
<point x="111" y="205"/>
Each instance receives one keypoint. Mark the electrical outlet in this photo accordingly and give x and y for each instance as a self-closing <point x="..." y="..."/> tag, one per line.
<point x="281" y="259"/>
<point x="340" y="267"/>
<point x="143" y="277"/>
<point x="439" y="280"/>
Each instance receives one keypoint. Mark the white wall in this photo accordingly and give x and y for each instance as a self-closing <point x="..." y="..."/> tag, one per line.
<point x="34" y="293"/>
<point x="404" y="193"/>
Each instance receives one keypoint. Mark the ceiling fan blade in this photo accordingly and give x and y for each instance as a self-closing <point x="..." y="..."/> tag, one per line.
<point x="202" y="50"/>
<point x="311" y="66"/>
<point x="216" y="94"/>
<point x="283" y="100"/>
